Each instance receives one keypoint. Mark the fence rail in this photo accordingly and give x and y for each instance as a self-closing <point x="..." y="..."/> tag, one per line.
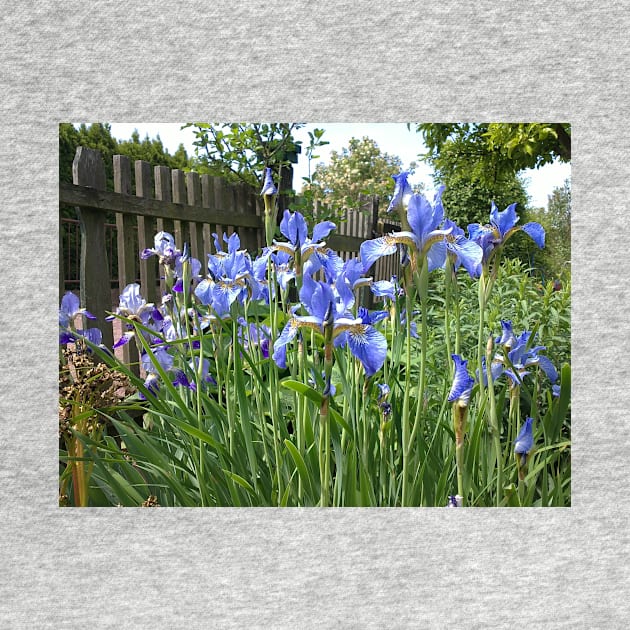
<point x="189" y="205"/>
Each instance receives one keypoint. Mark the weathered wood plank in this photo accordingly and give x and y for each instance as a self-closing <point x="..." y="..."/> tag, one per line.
<point x="126" y="227"/>
<point x="243" y="199"/>
<point x="107" y="201"/>
<point x="194" y="198"/>
<point x="146" y="230"/>
<point x="162" y="176"/>
<point x="344" y="242"/>
<point x="180" y="228"/>
<point x="207" y="201"/>
<point x="88" y="170"/>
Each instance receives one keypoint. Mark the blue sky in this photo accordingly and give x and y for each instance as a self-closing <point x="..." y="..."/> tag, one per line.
<point x="392" y="138"/>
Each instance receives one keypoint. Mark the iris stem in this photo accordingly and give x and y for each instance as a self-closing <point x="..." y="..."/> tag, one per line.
<point x="405" y="409"/>
<point x="448" y="275"/>
<point x="324" y="429"/>
<point x="274" y="405"/>
<point x="422" y="282"/>
<point x="494" y="423"/>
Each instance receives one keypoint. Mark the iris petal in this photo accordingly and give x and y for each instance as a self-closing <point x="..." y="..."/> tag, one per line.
<point x="322" y="230"/>
<point x="505" y="220"/>
<point x="525" y="439"/>
<point x="468" y="254"/>
<point x="436" y="256"/>
<point x="384" y="288"/>
<point x="402" y="191"/>
<point x="70" y="304"/>
<point x="369" y="346"/>
<point x="536" y="232"/>
<point x="371" y="251"/>
<point x="548" y="368"/>
<point x="462" y="381"/>
<point x="420" y="215"/>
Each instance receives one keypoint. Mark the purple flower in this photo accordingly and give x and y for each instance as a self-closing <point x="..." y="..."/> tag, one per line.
<point x="425" y="239"/>
<point x="462" y="382"/>
<point x="521" y="357"/>
<point x="327" y="312"/>
<point x="502" y="225"/>
<point x="163" y="247"/>
<point x="268" y="185"/>
<point x="299" y="246"/>
<point x="462" y="250"/>
<point x="402" y="191"/>
<point x="383" y="391"/>
<point x="193" y="270"/>
<point x="524" y="440"/>
<point x="70" y="308"/>
<point x="231" y="278"/>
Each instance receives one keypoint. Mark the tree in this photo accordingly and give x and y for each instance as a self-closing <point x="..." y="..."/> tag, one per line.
<point x="153" y="151"/>
<point x="240" y="152"/>
<point x="556" y="257"/>
<point x="467" y="197"/>
<point x="359" y="168"/>
<point x="480" y="163"/>
<point x="98" y="136"/>
<point x="499" y="149"/>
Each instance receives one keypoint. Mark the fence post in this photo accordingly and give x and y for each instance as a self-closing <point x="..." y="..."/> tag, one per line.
<point x="193" y="198"/>
<point x="181" y="231"/>
<point x="162" y="177"/>
<point x="127" y="255"/>
<point x="146" y="232"/>
<point x="207" y="201"/>
<point x="88" y="170"/>
<point x="245" y="204"/>
<point x="62" y="271"/>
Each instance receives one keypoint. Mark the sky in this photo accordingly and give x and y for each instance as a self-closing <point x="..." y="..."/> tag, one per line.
<point x="392" y="138"/>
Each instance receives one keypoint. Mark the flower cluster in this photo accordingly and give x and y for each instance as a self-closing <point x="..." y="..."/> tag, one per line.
<point x="434" y="237"/>
<point x="293" y="317"/>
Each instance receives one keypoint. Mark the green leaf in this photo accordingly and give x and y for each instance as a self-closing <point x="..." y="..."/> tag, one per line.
<point x="316" y="397"/>
<point x="301" y="466"/>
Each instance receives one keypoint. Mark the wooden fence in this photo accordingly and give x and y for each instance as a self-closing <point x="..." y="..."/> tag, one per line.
<point x="189" y="206"/>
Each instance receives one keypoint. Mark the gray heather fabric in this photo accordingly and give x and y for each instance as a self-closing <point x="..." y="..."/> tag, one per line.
<point x="325" y="61"/>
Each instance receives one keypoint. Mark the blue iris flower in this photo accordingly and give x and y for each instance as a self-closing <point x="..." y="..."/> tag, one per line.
<point x="193" y="272"/>
<point x="163" y="247"/>
<point x="402" y="191"/>
<point x="462" y="382"/>
<point x="502" y="225"/>
<point x="326" y="309"/>
<point x="524" y="440"/>
<point x="134" y="307"/>
<point x="149" y="361"/>
<point x="462" y="251"/>
<point x="425" y="238"/>
<point x="293" y="227"/>
<point x="281" y="263"/>
<point x="70" y="308"/>
<point x="231" y="278"/>
<point x="268" y="185"/>
<point x="522" y="356"/>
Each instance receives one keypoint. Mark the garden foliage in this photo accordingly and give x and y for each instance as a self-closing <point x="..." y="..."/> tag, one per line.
<point x="266" y="381"/>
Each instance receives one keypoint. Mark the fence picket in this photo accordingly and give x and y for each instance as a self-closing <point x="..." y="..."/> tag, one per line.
<point x="193" y="190"/>
<point x="126" y="240"/>
<point x="189" y="206"/>
<point x="146" y="233"/>
<point x="207" y="201"/>
<point x="181" y="231"/>
<point x="88" y="170"/>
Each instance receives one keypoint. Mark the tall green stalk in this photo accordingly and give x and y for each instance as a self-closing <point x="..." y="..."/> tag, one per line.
<point x="494" y="422"/>
<point x="405" y="420"/>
